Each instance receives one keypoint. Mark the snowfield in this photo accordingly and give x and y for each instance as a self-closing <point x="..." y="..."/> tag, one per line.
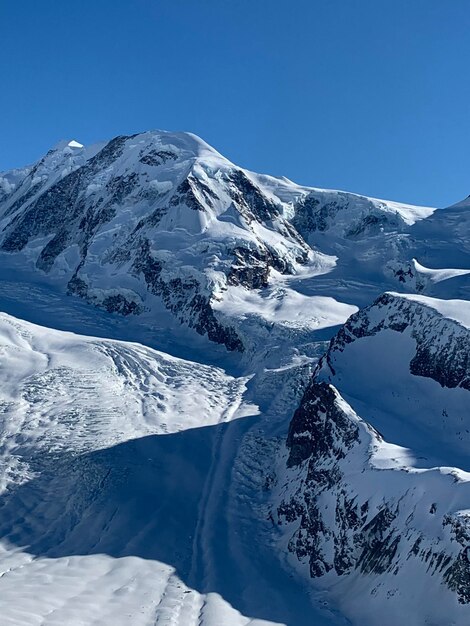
<point x="116" y="501"/>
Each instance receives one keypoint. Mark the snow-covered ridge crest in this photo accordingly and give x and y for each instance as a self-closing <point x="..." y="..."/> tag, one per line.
<point x="439" y="328"/>
<point x="368" y="527"/>
<point x="456" y="310"/>
<point x="371" y="502"/>
<point x="405" y="367"/>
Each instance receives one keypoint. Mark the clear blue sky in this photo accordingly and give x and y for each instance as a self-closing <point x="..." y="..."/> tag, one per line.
<point x="370" y="96"/>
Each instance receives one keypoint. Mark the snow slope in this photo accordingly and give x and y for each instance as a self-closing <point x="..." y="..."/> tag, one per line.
<point x="118" y="490"/>
<point x="437" y="276"/>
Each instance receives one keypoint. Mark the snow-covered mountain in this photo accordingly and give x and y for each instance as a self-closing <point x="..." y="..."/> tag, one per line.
<point x="163" y="220"/>
<point x="370" y="501"/>
<point x="153" y="215"/>
<point x="225" y="464"/>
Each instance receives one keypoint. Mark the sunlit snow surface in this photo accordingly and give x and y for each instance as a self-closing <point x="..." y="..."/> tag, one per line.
<point x="457" y="310"/>
<point x="124" y="496"/>
<point x="437" y="276"/>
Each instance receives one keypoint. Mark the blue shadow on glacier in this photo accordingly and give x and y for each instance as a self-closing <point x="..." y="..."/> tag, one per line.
<point x="160" y="497"/>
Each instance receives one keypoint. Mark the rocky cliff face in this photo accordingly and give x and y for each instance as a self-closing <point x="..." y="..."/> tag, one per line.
<point x="356" y="511"/>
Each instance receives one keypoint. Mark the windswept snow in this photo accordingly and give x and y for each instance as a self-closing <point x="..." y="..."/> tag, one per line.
<point x="438" y="275"/>
<point x="140" y="487"/>
<point x="285" y="306"/>
<point x="458" y="310"/>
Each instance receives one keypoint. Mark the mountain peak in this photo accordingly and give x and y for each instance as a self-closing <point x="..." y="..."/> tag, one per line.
<point x="184" y="145"/>
<point x="63" y="144"/>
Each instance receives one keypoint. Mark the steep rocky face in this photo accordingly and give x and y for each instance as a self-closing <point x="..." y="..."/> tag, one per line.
<point x="355" y="511"/>
<point x="318" y="428"/>
<point x="182" y="296"/>
<point x="345" y="215"/>
<point x="403" y="364"/>
<point x="322" y="434"/>
<point x="347" y="518"/>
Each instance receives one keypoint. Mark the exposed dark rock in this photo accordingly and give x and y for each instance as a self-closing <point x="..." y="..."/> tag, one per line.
<point x="120" y="187"/>
<point x="251" y="268"/>
<point x="23" y="198"/>
<point x="249" y="199"/>
<point x="119" y="304"/>
<point x="380" y="543"/>
<point x="457" y="575"/>
<point x="58" y="207"/>
<point x="311" y="215"/>
<point x="184" y="298"/>
<point x="325" y="441"/>
<point x="190" y="193"/>
<point x="450" y="366"/>
<point x="157" y="157"/>
<point x="109" y="153"/>
<point x="52" y="250"/>
<point x="319" y="428"/>
<point x="78" y="287"/>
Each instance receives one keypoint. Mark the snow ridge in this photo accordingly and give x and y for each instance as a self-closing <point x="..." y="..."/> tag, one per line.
<point x="366" y="516"/>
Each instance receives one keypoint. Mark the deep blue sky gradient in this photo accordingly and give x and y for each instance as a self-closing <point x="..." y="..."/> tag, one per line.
<point x="370" y="96"/>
